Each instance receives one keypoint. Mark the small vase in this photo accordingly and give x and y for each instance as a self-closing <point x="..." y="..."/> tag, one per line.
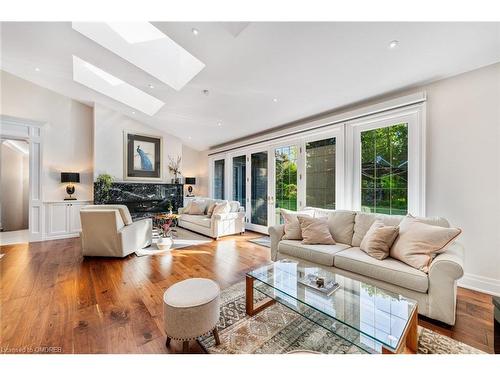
<point x="164" y="243"/>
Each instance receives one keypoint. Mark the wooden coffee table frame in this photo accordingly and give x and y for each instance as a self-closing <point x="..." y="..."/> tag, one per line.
<point x="407" y="345"/>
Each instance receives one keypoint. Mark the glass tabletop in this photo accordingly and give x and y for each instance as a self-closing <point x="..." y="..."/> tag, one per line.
<point x="361" y="313"/>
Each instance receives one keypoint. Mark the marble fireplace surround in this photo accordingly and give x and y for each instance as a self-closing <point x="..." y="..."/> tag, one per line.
<point x="142" y="199"/>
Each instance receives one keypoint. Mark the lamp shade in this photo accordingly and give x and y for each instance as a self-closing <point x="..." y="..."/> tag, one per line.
<point x="190" y="180"/>
<point x="70" y="177"/>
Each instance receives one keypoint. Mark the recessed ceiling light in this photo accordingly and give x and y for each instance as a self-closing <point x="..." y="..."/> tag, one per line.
<point x="275" y="100"/>
<point x="219" y="123"/>
<point x="195" y="31"/>
<point x="393" y="44"/>
<point x="37" y="69"/>
<point x="133" y="112"/>
<point x="206" y="92"/>
<point x="151" y="86"/>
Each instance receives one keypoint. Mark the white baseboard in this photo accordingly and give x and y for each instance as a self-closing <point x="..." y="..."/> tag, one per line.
<point x="47" y="237"/>
<point x="480" y="284"/>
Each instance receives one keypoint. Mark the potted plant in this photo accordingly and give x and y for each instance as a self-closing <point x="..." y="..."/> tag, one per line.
<point x="103" y="184"/>
<point x="165" y="241"/>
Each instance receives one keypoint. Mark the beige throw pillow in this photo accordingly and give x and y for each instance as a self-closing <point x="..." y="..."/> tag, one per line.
<point x="221" y="208"/>
<point x="197" y="208"/>
<point x="315" y="231"/>
<point x="210" y="209"/>
<point x="418" y="243"/>
<point x="379" y="239"/>
<point x="292" y="225"/>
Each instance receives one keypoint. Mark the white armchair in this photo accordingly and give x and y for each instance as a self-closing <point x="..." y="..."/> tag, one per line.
<point x="108" y="231"/>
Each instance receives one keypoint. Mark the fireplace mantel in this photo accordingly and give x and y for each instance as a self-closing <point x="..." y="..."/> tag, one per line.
<point x="142" y="199"/>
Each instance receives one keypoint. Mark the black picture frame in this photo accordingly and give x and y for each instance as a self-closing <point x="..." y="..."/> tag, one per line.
<point x="131" y="141"/>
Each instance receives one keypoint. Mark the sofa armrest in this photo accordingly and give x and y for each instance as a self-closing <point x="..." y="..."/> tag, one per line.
<point x="276" y="232"/>
<point x="136" y="235"/>
<point x="444" y="271"/>
<point x="181" y="210"/>
<point x="229" y="216"/>
<point x="451" y="263"/>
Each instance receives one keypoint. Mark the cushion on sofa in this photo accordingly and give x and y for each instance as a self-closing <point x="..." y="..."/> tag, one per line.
<point x="235" y="206"/>
<point x="379" y="239"/>
<point x="221" y="208"/>
<point x="341" y="225"/>
<point x="389" y="270"/>
<point x="321" y="254"/>
<point x="292" y="225"/>
<point x="315" y="230"/>
<point x="418" y="242"/>
<point x="197" y="207"/>
<point x="364" y="221"/>
<point x="201" y="220"/>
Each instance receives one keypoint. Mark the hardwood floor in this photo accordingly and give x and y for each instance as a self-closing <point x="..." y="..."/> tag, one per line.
<point x="52" y="299"/>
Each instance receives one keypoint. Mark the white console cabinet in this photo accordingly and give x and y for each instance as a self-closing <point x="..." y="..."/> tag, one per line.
<point x="63" y="218"/>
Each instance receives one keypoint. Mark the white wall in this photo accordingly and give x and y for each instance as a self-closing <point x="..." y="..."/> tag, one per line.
<point x="14" y="188"/>
<point x="67" y="132"/>
<point x="109" y="127"/>
<point x="195" y="164"/>
<point x="462" y="165"/>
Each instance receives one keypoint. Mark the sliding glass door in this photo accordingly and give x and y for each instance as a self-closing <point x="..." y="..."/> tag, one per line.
<point x="285" y="181"/>
<point x="239" y="177"/>
<point x="218" y="184"/>
<point x="287" y="175"/>
<point x="259" y="190"/>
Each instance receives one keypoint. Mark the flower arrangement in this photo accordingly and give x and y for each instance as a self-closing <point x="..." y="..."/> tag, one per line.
<point x="174" y="166"/>
<point x="166" y="222"/>
<point x="165" y="230"/>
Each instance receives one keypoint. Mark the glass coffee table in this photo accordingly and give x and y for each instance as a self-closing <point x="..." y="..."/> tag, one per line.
<point x="371" y="318"/>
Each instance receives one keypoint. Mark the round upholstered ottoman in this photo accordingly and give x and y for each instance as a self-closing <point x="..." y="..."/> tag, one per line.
<point x="191" y="309"/>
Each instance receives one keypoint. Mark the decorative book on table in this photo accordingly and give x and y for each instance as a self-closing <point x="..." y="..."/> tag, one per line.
<point x="320" y="284"/>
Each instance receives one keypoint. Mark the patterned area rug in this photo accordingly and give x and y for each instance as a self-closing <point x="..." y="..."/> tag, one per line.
<point x="279" y="330"/>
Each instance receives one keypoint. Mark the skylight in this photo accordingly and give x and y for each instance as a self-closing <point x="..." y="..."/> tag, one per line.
<point x="97" y="79"/>
<point x="136" y="32"/>
<point x="145" y="46"/>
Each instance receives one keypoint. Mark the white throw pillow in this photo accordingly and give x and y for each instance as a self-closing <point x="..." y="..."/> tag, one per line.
<point x="292" y="225"/>
<point x="221" y="208"/>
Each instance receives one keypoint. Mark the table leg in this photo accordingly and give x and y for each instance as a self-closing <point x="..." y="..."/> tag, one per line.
<point x="251" y="307"/>
<point x="409" y="343"/>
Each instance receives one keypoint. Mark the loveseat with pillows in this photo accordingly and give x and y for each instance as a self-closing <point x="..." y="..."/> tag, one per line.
<point x="418" y="258"/>
<point x="213" y="217"/>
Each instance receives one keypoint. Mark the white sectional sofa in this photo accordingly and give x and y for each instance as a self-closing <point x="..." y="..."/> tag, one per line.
<point x="434" y="291"/>
<point x="217" y="225"/>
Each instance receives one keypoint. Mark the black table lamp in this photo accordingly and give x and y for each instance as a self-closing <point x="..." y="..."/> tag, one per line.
<point x="190" y="181"/>
<point x="70" y="178"/>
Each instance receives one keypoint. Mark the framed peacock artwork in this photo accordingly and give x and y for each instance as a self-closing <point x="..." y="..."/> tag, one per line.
<point x="142" y="156"/>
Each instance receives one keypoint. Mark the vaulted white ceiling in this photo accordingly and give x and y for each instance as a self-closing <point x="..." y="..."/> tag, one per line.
<point x="308" y="67"/>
